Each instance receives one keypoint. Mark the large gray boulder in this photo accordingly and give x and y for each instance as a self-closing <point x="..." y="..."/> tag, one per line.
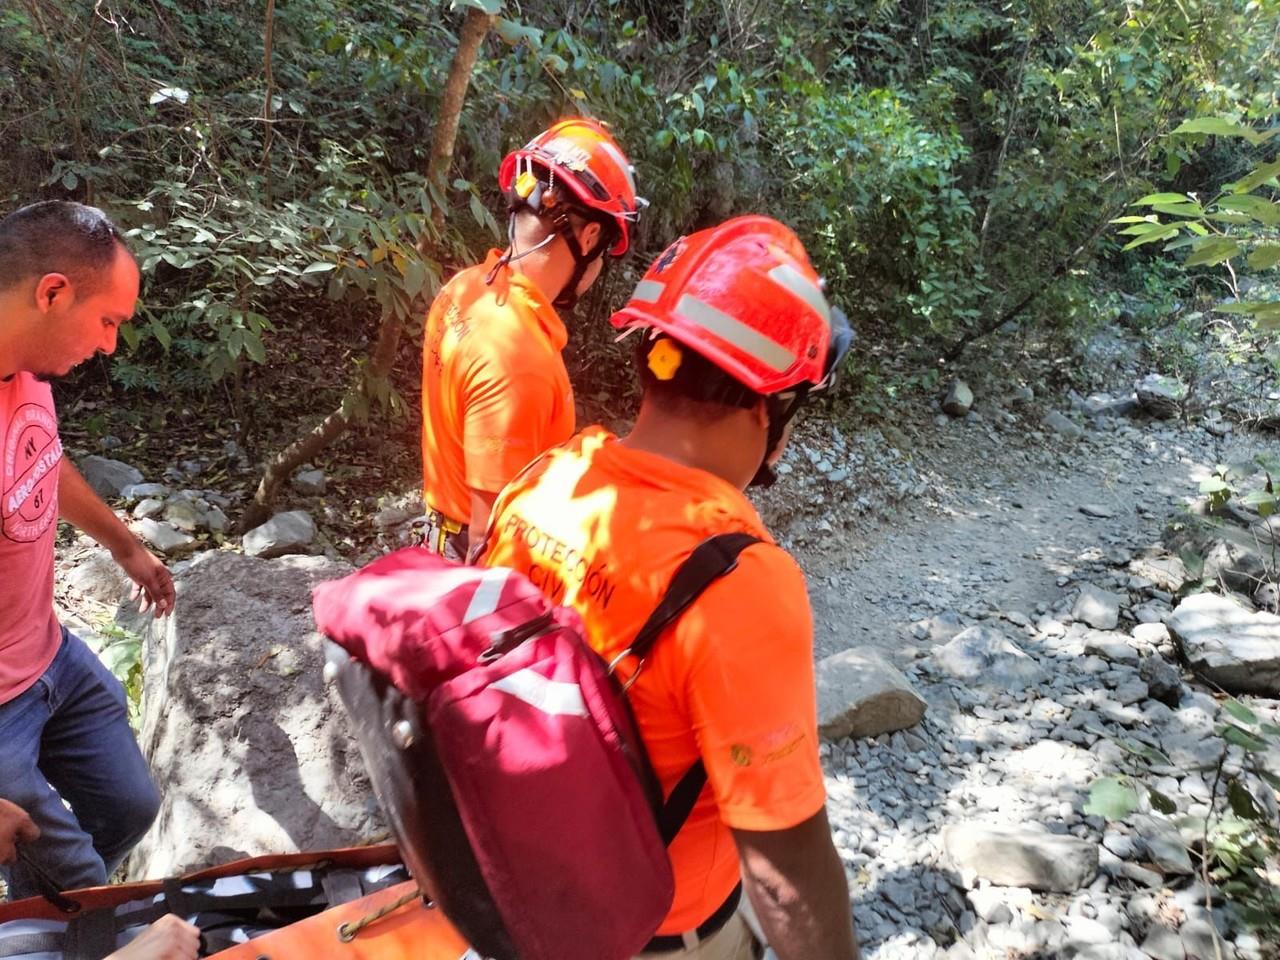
<point x="986" y="657"/>
<point x="109" y="478"/>
<point x="1048" y="862"/>
<point x="290" y="532"/>
<point x="861" y="694"/>
<point x="1229" y="645"/>
<point x="1226" y="644"/>
<point x="248" y="745"/>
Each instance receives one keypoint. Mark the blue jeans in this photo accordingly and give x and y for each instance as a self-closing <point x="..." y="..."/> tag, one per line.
<point x="67" y="738"/>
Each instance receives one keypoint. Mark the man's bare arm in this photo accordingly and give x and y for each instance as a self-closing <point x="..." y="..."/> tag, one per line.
<point x="796" y="885"/>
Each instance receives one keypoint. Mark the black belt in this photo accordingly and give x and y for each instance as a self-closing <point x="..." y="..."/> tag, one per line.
<point x="670" y="942"/>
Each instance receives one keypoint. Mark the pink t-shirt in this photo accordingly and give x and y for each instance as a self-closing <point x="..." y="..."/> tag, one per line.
<point x="30" y="455"/>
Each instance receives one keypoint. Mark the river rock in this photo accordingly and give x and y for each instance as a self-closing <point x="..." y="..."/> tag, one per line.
<point x="1165" y="848"/>
<point x="100" y="577"/>
<point x="311" y="483"/>
<point x="1062" y="424"/>
<point x="148" y="508"/>
<point x="1160" y="396"/>
<point x="1228" y="645"/>
<point x="109" y="478"/>
<point x="1096" y="607"/>
<point x="166" y="538"/>
<point x="939" y="629"/>
<point x="861" y="694"/>
<point x="1105" y="405"/>
<point x="1110" y="646"/>
<point x="290" y="532"/>
<point x="1163" y="943"/>
<point x="184" y="515"/>
<point x="1163" y="680"/>
<point x="1097" y="510"/>
<point x="1020" y="858"/>
<point x="987" y="657"/>
<point x="142" y="491"/>
<point x="959" y="399"/>
<point x="249" y="747"/>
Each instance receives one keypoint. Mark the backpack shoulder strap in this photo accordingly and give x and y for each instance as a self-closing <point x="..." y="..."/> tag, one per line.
<point x="710" y="560"/>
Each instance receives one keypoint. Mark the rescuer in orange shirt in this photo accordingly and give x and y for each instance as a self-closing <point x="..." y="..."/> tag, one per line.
<point x="495" y="392"/>
<point x="734" y="332"/>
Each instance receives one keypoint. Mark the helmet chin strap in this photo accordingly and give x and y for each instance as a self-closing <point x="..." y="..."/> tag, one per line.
<point x="511" y="256"/>
<point x="567" y="298"/>
<point x="780" y="414"/>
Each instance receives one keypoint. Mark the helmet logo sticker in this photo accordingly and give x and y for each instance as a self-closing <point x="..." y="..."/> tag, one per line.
<point x="669" y="256"/>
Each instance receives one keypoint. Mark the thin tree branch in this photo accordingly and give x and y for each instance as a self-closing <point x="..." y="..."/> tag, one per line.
<point x="1016" y="310"/>
<point x="268" y="41"/>
<point x="998" y="169"/>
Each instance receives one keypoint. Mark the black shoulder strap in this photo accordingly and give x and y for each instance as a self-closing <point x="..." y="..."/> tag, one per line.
<point x="710" y="561"/>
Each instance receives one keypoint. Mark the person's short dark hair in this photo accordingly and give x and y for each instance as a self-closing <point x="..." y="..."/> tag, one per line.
<point x="58" y="236"/>
<point x="695" y="388"/>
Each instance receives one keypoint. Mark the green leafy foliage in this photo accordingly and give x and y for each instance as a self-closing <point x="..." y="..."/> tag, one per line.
<point x="120" y="651"/>
<point x="1239" y="839"/>
<point x="1236" y="225"/>
<point x="940" y="168"/>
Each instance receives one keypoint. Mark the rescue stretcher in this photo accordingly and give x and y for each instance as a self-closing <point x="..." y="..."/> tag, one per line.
<point x="356" y="903"/>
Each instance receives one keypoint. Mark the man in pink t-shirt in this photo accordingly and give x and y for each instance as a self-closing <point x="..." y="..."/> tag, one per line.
<point x="67" y="283"/>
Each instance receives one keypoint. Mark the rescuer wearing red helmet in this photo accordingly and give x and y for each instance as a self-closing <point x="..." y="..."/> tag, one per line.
<point x="734" y="332"/>
<point x="495" y="392"/>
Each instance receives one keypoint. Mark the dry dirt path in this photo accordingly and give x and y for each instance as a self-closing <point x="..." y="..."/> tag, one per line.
<point x="1002" y="533"/>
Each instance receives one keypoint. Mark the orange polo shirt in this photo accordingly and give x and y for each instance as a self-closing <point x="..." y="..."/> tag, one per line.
<point x="602" y="528"/>
<point x="495" y="392"/>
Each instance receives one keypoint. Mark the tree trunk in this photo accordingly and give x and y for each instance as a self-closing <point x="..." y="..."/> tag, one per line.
<point x="281" y="467"/>
<point x="474" y="28"/>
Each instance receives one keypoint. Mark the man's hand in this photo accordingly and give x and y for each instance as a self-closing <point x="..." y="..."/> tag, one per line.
<point x="15" y="828"/>
<point x="152" y="581"/>
<point x="81" y="507"/>
<point x="169" y="938"/>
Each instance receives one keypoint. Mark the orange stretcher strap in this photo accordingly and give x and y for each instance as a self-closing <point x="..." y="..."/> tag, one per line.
<point x="112" y="895"/>
<point x="414" y="931"/>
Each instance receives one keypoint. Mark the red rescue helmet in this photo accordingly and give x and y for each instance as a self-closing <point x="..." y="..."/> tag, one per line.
<point x="745" y="296"/>
<point x="580" y="153"/>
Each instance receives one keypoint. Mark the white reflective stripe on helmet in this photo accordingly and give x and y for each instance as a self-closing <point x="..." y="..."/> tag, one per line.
<point x="488" y="592"/>
<point x="648" y="291"/>
<point x="735" y="332"/>
<point x="620" y="161"/>
<point x="788" y="276"/>
<point x="554" y="697"/>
